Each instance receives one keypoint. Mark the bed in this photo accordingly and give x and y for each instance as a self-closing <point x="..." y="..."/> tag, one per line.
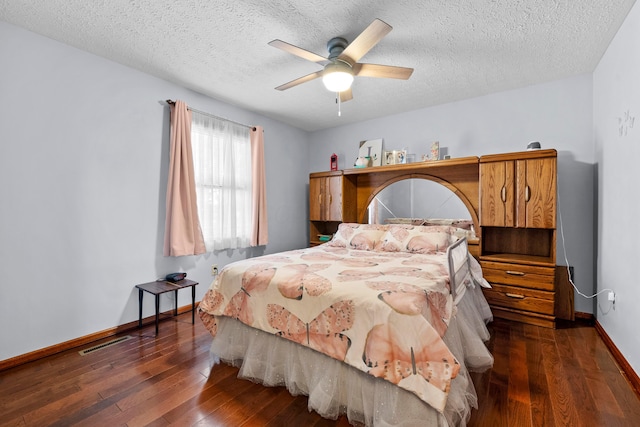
<point x="383" y="324"/>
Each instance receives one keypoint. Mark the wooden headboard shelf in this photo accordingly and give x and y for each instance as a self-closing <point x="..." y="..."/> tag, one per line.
<point x="460" y="175"/>
<point x="516" y="230"/>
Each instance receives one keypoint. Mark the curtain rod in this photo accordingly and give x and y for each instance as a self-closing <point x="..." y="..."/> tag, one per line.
<point x="253" y="128"/>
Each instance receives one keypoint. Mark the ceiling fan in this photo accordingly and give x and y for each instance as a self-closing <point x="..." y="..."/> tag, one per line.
<point x="342" y="65"/>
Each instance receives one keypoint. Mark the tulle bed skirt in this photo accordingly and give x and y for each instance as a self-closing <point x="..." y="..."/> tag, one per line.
<point x="335" y="388"/>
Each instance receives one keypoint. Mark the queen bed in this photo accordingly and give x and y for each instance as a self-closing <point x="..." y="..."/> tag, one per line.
<point x="383" y="324"/>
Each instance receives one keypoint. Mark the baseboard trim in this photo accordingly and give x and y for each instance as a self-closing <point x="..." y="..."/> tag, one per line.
<point x="586" y="317"/>
<point x="625" y="368"/>
<point x="81" y="341"/>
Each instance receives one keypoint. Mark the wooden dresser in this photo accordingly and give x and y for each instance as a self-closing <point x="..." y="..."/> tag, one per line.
<point x="518" y="234"/>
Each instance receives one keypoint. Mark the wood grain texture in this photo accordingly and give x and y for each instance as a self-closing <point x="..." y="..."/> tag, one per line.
<point x="564" y="294"/>
<point x="518" y="238"/>
<point x="533" y="277"/>
<point x="626" y="368"/>
<point x="316" y="199"/>
<point x="331" y="201"/>
<point x="541" y="377"/>
<point x="85" y="340"/>
<point x="531" y="246"/>
<point x="530" y="300"/>
<point x="518" y="193"/>
<point x="561" y="377"/>
<point x="459" y="175"/>
<point x="497" y="204"/>
<point x="540" y="186"/>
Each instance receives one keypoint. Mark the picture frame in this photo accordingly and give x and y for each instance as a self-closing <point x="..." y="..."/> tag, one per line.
<point x="372" y="148"/>
<point x="435" y="151"/>
<point x="389" y="158"/>
<point x="395" y="157"/>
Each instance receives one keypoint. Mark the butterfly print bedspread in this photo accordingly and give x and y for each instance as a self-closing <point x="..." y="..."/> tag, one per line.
<point x="381" y="312"/>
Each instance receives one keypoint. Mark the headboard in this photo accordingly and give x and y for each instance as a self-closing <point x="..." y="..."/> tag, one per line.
<point x="460" y="175"/>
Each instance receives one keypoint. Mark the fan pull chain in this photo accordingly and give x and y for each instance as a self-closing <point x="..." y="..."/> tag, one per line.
<point x="338" y="101"/>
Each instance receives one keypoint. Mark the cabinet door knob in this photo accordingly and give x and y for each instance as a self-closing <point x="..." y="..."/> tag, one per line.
<point x="527" y="193"/>
<point x="503" y="194"/>
<point x="320" y="199"/>
<point x="516" y="296"/>
<point x="515" y="273"/>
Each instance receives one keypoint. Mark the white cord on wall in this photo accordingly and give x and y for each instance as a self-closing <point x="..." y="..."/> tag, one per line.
<point x="566" y="260"/>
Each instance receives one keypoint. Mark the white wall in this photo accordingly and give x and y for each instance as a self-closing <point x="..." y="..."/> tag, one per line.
<point x="616" y="92"/>
<point x="558" y="114"/>
<point x="83" y="170"/>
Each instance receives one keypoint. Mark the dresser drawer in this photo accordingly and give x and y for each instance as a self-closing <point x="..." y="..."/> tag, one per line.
<point x="531" y="300"/>
<point x="528" y="317"/>
<point x="526" y="276"/>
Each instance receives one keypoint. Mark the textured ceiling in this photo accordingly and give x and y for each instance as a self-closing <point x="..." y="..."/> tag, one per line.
<point x="459" y="49"/>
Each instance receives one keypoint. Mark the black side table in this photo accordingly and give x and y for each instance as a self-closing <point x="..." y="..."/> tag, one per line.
<point x="160" y="287"/>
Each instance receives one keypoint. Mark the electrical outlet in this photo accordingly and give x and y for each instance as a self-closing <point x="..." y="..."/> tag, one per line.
<point x="612" y="296"/>
<point x="214" y="269"/>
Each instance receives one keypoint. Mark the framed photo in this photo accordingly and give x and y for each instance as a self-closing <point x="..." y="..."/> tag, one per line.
<point x="395" y="157"/>
<point x="435" y="151"/>
<point x="372" y="148"/>
<point x="389" y="158"/>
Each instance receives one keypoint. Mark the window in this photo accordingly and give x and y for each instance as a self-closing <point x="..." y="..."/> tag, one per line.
<point x="222" y="169"/>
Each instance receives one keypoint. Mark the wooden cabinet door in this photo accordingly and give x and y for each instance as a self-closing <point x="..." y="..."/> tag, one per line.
<point x="537" y="193"/>
<point x="316" y="190"/>
<point x="333" y="198"/>
<point x="497" y="194"/>
<point x="325" y="198"/>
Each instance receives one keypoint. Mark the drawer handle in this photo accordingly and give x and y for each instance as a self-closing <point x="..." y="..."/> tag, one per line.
<point x="515" y="273"/>
<point x="516" y="296"/>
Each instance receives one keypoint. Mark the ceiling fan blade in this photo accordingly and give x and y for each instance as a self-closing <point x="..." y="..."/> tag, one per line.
<point x="346" y="95"/>
<point x="298" y="51"/>
<point x="382" y="71"/>
<point x="300" y="80"/>
<point x="365" y="41"/>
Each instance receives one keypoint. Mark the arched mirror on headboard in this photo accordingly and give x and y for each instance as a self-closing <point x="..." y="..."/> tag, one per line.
<point x="457" y="177"/>
<point x="417" y="199"/>
<point x="420" y="201"/>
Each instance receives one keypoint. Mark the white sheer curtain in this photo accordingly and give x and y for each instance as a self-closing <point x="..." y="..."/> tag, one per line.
<point x="222" y="165"/>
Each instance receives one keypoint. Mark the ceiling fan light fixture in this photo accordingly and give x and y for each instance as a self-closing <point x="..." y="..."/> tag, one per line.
<point x="337" y="76"/>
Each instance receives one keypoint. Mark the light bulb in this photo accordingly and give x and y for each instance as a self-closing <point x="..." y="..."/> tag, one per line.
<point x="337" y="76"/>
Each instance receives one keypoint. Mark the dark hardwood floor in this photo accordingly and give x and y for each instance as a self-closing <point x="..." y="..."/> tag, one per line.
<point x="541" y="377"/>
